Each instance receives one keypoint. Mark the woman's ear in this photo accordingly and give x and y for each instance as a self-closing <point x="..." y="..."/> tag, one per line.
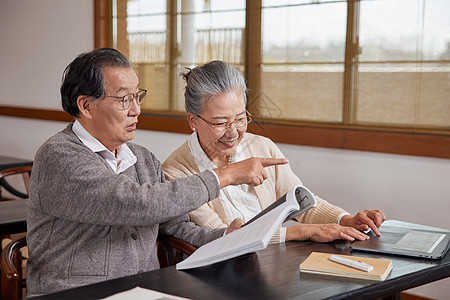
<point x="192" y="119"/>
<point x="83" y="103"/>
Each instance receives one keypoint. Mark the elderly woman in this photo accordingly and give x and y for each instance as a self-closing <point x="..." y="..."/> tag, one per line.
<point x="216" y="97"/>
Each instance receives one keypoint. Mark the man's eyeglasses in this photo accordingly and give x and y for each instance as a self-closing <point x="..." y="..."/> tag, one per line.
<point x="222" y="126"/>
<point x="128" y="99"/>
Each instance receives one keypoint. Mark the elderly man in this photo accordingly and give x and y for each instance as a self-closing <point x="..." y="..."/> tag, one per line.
<point x="97" y="201"/>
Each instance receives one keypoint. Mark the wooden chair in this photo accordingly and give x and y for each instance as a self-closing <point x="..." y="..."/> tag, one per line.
<point x="172" y="250"/>
<point x="12" y="279"/>
<point x="25" y="172"/>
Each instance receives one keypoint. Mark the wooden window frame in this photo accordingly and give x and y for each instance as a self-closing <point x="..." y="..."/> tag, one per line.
<point x="426" y="143"/>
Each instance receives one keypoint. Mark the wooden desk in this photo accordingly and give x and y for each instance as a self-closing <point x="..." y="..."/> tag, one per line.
<point x="7" y="162"/>
<point x="13" y="216"/>
<point x="271" y="274"/>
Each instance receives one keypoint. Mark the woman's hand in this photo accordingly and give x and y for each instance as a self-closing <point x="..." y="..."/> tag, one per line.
<point x="365" y="220"/>
<point x="323" y="233"/>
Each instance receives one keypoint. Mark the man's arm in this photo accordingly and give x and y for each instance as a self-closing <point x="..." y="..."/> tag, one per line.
<point x="250" y="171"/>
<point x="185" y="230"/>
<point x="74" y="184"/>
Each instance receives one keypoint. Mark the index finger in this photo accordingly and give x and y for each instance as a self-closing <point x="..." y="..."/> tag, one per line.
<point x="267" y="162"/>
<point x="377" y="216"/>
<point x="369" y="222"/>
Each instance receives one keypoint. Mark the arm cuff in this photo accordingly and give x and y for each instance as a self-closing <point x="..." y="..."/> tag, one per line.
<point x="340" y="217"/>
<point x="211" y="182"/>
<point x="282" y="234"/>
<point x="217" y="177"/>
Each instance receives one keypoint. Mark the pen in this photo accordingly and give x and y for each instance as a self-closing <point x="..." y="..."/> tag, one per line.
<point x="351" y="263"/>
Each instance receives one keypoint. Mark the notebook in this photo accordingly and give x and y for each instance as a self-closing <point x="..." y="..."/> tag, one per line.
<point x="399" y="238"/>
<point x="320" y="263"/>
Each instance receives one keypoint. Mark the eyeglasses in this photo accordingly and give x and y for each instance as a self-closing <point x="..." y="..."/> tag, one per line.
<point x="128" y="99"/>
<point x="240" y="122"/>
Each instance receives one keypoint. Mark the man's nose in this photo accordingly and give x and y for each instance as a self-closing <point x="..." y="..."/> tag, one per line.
<point x="135" y="108"/>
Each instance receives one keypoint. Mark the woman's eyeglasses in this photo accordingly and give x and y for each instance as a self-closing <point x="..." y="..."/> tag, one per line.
<point x="222" y="126"/>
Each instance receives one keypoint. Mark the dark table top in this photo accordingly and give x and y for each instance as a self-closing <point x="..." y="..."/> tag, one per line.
<point x="7" y="162"/>
<point x="272" y="273"/>
<point x="13" y="215"/>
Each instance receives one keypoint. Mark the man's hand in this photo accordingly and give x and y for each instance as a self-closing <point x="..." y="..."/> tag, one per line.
<point x="365" y="220"/>
<point x="250" y="171"/>
<point x="235" y="225"/>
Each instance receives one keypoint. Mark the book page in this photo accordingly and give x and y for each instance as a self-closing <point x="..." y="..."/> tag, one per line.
<point x="252" y="237"/>
<point x="300" y="194"/>
<point x="256" y="233"/>
<point x="140" y="293"/>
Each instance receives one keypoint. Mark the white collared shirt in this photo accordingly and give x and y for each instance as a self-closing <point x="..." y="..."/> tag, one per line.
<point x="238" y="201"/>
<point x="125" y="157"/>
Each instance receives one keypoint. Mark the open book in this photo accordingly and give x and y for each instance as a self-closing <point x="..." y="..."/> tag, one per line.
<point x="256" y="233"/>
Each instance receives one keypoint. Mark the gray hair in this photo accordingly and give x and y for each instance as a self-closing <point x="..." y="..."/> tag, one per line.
<point x="204" y="83"/>
<point x="84" y="76"/>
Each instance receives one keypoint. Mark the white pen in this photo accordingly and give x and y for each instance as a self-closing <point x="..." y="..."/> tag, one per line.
<point x="352" y="263"/>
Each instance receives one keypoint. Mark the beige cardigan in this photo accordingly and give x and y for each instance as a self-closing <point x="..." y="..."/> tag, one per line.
<point x="280" y="180"/>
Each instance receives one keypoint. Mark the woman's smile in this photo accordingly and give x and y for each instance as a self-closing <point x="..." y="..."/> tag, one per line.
<point x="228" y="144"/>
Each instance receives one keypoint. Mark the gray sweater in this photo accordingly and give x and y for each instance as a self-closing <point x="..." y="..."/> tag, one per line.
<point x="87" y="224"/>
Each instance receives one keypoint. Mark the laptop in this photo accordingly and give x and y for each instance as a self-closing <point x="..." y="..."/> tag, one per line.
<point x="417" y="241"/>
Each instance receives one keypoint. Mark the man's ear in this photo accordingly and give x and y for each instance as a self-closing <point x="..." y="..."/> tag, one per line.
<point x="83" y="103"/>
<point x="192" y="119"/>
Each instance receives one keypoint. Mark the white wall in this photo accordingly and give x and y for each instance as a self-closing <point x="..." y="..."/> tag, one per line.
<point x="39" y="38"/>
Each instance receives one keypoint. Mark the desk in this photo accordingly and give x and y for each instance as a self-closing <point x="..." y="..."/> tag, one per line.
<point x="7" y="162"/>
<point x="13" y="216"/>
<point x="271" y="274"/>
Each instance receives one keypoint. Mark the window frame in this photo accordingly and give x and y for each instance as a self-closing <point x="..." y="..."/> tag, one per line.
<point x="427" y="143"/>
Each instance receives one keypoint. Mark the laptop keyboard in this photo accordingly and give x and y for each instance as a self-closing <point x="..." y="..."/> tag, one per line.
<point x="420" y="241"/>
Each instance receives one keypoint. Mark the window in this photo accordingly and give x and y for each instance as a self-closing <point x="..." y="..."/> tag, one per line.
<point x="303" y="60"/>
<point x="404" y="67"/>
<point x="204" y="31"/>
<point x="366" y="75"/>
<point x="363" y="63"/>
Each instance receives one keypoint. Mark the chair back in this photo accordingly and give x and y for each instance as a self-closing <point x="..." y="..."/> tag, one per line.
<point x="25" y="171"/>
<point x="12" y="279"/>
<point x="172" y="250"/>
